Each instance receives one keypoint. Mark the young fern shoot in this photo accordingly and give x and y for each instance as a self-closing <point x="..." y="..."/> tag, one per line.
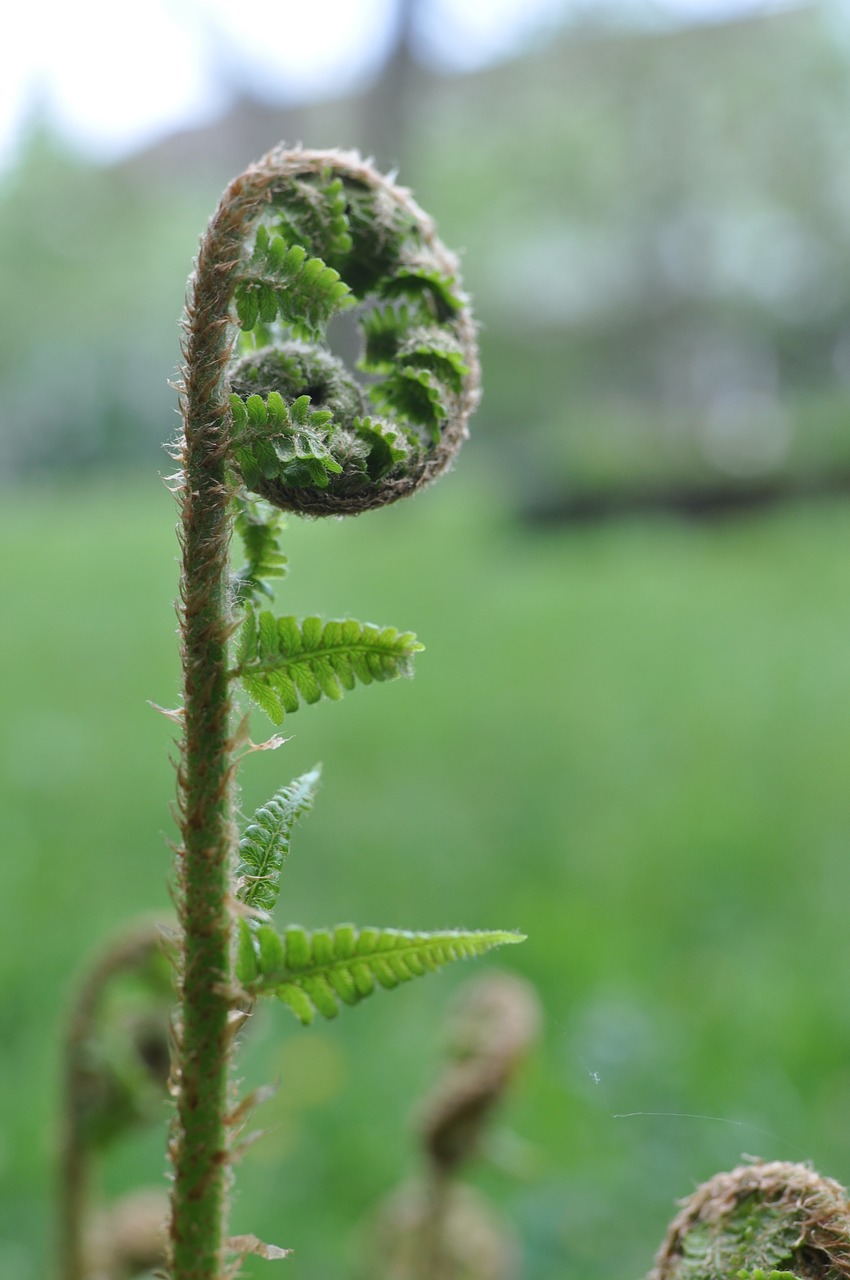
<point x="273" y="422"/>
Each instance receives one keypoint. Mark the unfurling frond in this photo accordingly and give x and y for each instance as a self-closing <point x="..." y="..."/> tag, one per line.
<point x="318" y="970"/>
<point x="334" y="234"/>
<point x="282" y="661"/>
<point x="265" y="844"/>
<point x="282" y="440"/>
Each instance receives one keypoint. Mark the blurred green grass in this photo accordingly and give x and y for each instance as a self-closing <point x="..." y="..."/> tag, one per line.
<point x="630" y="742"/>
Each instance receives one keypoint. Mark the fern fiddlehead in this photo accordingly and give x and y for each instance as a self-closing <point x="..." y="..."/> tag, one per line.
<point x="762" y="1221"/>
<point x="309" y="436"/>
<point x="273" y="421"/>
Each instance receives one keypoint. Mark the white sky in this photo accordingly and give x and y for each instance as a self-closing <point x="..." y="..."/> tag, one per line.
<point x="113" y="74"/>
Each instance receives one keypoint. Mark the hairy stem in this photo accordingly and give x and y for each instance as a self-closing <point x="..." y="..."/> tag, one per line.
<point x="205" y="774"/>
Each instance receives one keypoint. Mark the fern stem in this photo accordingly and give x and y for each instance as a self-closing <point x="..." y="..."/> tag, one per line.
<point x="205" y="774"/>
<point x="292" y="282"/>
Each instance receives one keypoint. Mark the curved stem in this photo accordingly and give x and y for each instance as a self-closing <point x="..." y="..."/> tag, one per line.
<point x="126" y="953"/>
<point x="75" y="1164"/>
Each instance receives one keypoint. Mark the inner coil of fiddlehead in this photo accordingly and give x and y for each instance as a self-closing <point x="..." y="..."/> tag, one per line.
<point x="309" y="436"/>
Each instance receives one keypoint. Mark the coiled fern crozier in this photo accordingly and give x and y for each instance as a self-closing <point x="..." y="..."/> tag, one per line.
<point x="273" y="422"/>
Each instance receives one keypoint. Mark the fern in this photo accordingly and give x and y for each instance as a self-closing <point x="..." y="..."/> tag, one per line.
<point x="758" y="1274"/>
<point x="331" y="237"/>
<point x="294" y="445"/>
<point x="314" y="216"/>
<point x="296" y="238"/>
<point x="426" y="287"/>
<point x="265" y="843"/>
<point x="416" y="395"/>
<point x="384" y="331"/>
<point x="284" y="281"/>
<point x="281" y="661"/>
<point x="316" y="971"/>
<point x="347" y="223"/>
<point x="385" y="445"/>
<point x="259" y="526"/>
<point x="276" y="441"/>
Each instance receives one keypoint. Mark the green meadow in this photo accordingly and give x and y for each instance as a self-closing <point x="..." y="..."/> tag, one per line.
<point x="629" y="741"/>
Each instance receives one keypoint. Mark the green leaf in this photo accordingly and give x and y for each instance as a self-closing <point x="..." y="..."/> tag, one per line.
<point x="315" y="971"/>
<point x="434" y="352"/>
<point x="261" y="692"/>
<point x="258" y="414"/>
<point x="290" y="661"/>
<point x="247" y="636"/>
<point x="240" y="413"/>
<point x="286" y="281"/>
<point x="416" y="395"/>
<point x="268" y="303"/>
<point x="758" y="1274"/>
<point x="249" y="467"/>
<point x="261" y="245"/>
<point x="387" y="445"/>
<point x="271" y="950"/>
<point x="285" y="443"/>
<point x="430" y="289"/>
<point x="299" y="411"/>
<point x="259" y="525"/>
<point x="247" y="969"/>
<point x="247" y="306"/>
<point x="265" y="843"/>
<point x="268" y="644"/>
<point x="384" y="329"/>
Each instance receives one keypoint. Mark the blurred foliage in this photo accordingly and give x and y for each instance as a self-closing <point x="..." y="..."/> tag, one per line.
<point x="94" y="267"/>
<point x="657" y="796"/>
<point x="656" y="230"/>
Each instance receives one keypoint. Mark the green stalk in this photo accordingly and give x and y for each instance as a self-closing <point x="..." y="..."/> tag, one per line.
<point x="205" y="775"/>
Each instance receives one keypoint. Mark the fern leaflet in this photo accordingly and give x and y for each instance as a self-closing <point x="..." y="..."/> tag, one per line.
<point x="277" y="441"/>
<point x="428" y="288"/>
<point x="758" y="1274"/>
<point x="281" y="661"/>
<point x="284" y="280"/>
<point x="265" y="844"/>
<point x="316" y="971"/>
<point x="259" y="526"/>
<point x="314" y="216"/>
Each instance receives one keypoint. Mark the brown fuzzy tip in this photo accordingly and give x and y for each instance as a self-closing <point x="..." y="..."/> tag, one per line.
<point x="128" y="1239"/>
<point x="495" y="1023"/>
<point x="768" y="1215"/>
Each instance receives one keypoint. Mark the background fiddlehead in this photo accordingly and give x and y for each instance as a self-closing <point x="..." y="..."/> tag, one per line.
<point x="116" y="1062"/>
<point x="437" y="1227"/>
<point x="273" y="420"/>
<point x="763" y="1216"/>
